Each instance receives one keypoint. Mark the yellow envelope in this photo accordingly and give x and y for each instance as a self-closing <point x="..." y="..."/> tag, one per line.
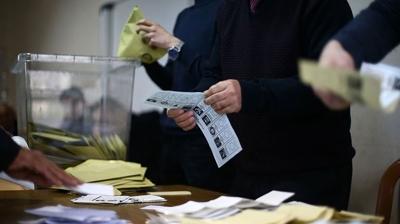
<point x="306" y="213"/>
<point x="345" y="216"/>
<point x="131" y="44"/>
<point x="98" y="170"/>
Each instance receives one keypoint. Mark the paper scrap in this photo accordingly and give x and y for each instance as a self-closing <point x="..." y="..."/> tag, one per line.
<point x="275" y="198"/>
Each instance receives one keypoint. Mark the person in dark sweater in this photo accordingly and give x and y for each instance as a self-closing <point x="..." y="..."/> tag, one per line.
<point x="290" y="140"/>
<point x="186" y="157"/>
<point x="31" y="165"/>
<point x="368" y="38"/>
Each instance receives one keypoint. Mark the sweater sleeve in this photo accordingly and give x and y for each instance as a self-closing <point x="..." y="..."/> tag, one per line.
<point x="374" y="32"/>
<point x="8" y="151"/>
<point x="161" y="75"/>
<point x="288" y="97"/>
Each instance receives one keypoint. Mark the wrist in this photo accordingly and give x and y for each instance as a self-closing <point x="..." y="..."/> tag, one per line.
<point x="173" y="42"/>
<point x="175" y="49"/>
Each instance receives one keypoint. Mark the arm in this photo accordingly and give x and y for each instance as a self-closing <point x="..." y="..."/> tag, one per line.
<point x="286" y="97"/>
<point x="209" y="72"/>
<point x="31" y="165"/>
<point x="374" y="32"/>
<point x="160" y="75"/>
<point x="9" y="150"/>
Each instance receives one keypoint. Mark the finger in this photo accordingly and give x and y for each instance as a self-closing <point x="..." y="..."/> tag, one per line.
<point x="38" y="180"/>
<point x="145" y="29"/>
<point x="145" y="22"/>
<point x="64" y="178"/>
<point x="149" y="35"/>
<point x="183" y="117"/>
<point x="220" y="105"/>
<point x="190" y="127"/>
<point x="45" y="168"/>
<point x="173" y="113"/>
<point x="187" y="124"/>
<point x="215" y="89"/>
<point x="217" y="97"/>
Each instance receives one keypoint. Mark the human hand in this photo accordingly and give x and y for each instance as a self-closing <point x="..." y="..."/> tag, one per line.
<point x="34" y="166"/>
<point x="184" y="119"/>
<point x="225" y="96"/>
<point x="334" y="56"/>
<point x="156" y="36"/>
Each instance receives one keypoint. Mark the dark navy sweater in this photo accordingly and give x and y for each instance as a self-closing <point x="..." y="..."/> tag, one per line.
<point x="8" y="150"/>
<point x="196" y="27"/>
<point x="283" y="127"/>
<point x="374" y="32"/>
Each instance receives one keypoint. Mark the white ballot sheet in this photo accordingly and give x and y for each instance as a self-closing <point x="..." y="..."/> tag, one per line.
<point x="216" y="128"/>
<point x="103" y="199"/>
<point x="91" y="188"/>
<point x="75" y="215"/>
<point x="275" y="198"/>
<point x="221" y="207"/>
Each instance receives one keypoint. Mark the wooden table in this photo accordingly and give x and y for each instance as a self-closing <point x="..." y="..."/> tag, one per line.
<point x="13" y="203"/>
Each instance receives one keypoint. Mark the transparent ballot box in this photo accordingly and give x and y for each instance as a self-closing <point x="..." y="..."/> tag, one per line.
<point x="75" y="107"/>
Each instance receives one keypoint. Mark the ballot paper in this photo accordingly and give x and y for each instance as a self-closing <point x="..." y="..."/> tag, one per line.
<point x="101" y="199"/>
<point x="226" y="210"/>
<point x="216" y="128"/>
<point x="271" y="199"/>
<point x="275" y="198"/>
<point x="376" y="86"/>
<point x="63" y="214"/>
<point x="91" y="188"/>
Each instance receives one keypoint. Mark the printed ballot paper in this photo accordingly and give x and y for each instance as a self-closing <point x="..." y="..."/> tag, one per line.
<point x="216" y="128"/>
<point x="376" y="86"/>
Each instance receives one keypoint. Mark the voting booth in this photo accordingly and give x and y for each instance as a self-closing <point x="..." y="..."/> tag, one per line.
<point x="75" y="108"/>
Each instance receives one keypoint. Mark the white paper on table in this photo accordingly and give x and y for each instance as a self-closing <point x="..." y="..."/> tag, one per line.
<point x="274" y="198"/>
<point x="188" y="207"/>
<point x="223" y="202"/>
<point x="75" y="214"/>
<point x="216" y="128"/>
<point x="94" y="189"/>
<point x="103" y="199"/>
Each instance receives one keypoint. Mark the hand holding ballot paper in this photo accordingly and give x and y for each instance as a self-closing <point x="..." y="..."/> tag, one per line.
<point x="376" y="86"/>
<point x="216" y="127"/>
<point x="133" y="43"/>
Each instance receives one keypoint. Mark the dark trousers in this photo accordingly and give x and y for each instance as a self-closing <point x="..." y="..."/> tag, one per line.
<point x="188" y="160"/>
<point x="325" y="186"/>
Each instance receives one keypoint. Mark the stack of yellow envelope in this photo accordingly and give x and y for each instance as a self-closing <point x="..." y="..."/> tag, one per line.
<point x="119" y="174"/>
<point x="69" y="149"/>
